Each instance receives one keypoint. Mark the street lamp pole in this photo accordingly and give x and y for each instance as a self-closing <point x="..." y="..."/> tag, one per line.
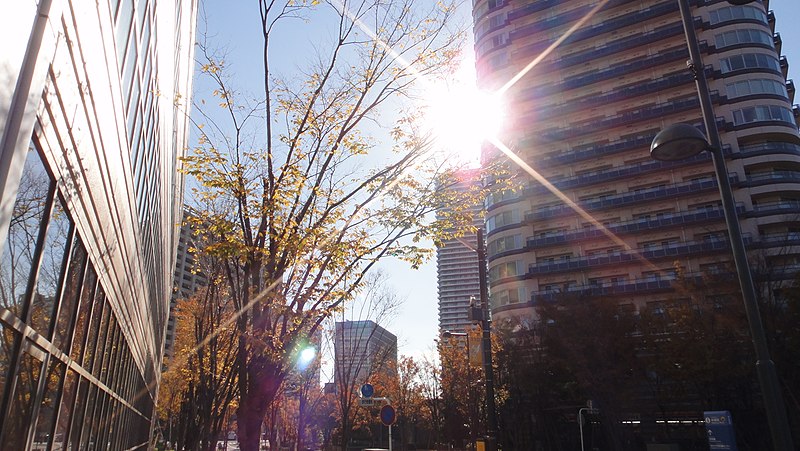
<point x="491" y="413"/>
<point x="667" y="142"/>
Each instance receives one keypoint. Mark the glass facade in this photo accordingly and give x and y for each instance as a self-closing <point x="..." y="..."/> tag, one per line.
<point x="88" y="221"/>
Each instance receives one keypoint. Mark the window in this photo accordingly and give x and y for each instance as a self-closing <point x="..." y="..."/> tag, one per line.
<point x="504" y="244"/>
<point x="504" y="270"/>
<point x="756" y="86"/>
<point x="737" y="13"/>
<point x="750" y="61"/>
<point x="746" y="36"/>
<point x="761" y="113"/>
<point x="503" y="219"/>
<point x="505" y="297"/>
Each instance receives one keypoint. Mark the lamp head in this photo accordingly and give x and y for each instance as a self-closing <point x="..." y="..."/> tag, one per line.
<point x="678" y="142"/>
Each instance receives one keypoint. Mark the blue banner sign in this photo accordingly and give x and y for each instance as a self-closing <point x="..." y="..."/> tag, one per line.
<point x="719" y="426"/>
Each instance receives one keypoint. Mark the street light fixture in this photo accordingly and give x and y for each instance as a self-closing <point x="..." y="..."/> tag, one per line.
<point x="680" y="141"/>
<point x="486" y="341"/>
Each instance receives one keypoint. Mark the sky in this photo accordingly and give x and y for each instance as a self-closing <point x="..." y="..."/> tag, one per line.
<point x="235" y="24"/>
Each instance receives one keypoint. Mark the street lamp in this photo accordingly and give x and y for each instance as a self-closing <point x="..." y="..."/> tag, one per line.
<point x="486" y="341"/>
<point x="447" y="334"/>
<point x="681" y="141"/>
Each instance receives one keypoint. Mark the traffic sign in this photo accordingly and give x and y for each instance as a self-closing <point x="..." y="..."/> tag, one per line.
<point x="388" y="415"/>
<point x="366" y="402"/>
<point x="367" y="390"/>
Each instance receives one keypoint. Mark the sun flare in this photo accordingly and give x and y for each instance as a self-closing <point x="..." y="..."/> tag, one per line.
<point x="461" y="117"/>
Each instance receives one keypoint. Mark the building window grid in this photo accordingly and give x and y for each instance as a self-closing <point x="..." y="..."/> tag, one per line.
<point x="743" y="36"/>
<point x="756" y="86"/>
<point x="731" y="13"/>
<point x="762" y="113"/>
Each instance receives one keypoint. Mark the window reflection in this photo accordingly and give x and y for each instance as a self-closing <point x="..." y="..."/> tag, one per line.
<point x="65" y="414"/>
<point x="27" y="380"/>
<point x="23" y="233"/>
<point x="69" y="300"/>
<point x="45" y="299"/>
<point x="47" y="407"/>
<point x="84" y="314"/>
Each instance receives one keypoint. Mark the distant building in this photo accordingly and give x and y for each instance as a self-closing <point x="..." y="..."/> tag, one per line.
<point x="457" y="267"/>
<point x="93" y="123"/>
<point x="361" y="349"/>
<point x="187" y="278"/>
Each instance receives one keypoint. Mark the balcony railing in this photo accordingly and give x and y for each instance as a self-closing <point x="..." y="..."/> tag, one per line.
<point x="634" y="226"/>
<point x="773" y="177"/>
<point x="671" y="251"/>
<point x="616" y="173"/>
<point x="770" y="148"/>
<point x="603" y="123"/>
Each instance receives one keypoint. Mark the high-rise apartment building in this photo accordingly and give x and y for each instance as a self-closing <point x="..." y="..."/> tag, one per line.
<point x="92" y="110"/>
<point x="584" y="118"/>
<point x="457" y="266"/>
<point x="362" y="348"/>
<point x="187" y="279"/>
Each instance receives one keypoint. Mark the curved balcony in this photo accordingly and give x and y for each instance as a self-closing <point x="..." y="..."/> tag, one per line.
<point x="634" y="286"/>
<point x="585" y="79"/>
<point x="617" y="95"/>
<point x="617" y="173"/>
<point x="774" y="208"/>
<point x="773" y="177"/>
<point x="686" y="249"/>
<point x="770" y="148"/>
<point x="657" y="111"/>
<point x="606" y="26"/>
<point x="636" y="226"/>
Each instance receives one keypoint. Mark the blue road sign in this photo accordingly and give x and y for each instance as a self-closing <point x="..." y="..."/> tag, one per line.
<point x="719" y="426"/>
<point x="367" y="390"/>
<point x="388" y="415"/>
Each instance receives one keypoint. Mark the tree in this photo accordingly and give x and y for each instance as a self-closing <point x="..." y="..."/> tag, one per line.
<point x="432" y="398"/>
<point x="359" y="358"/>
<point x="200" y="385"/>
<point x="463" y="392"/>
<point x="401" y="384"/>
<point x="299" y="214"/>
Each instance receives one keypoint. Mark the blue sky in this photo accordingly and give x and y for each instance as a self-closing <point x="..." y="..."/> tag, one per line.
<point x="235" y="24"/>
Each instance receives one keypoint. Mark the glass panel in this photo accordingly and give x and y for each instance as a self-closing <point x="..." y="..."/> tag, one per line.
<point x="47" y="408"/>
<point x="6" y="350"/>
<point x="123" y="24"/>
<point x="102" y="337"/>
<point x="65" y="413"/>
<point x="45" y="300"/>
<point x="84" y="314"/>
<point x="94" y="327"/>
<point x="69" y="299"/>
<point x="19" y="418"/>
<point x="78" y="414"/>
<point x="87" y="418"/>
<point x="23" y="232"/>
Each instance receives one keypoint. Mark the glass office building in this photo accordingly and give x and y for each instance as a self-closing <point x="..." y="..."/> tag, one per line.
<point x="93" y="117"/>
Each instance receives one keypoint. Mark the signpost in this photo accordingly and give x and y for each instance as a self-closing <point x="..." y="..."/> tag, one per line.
<point x="388" y="415"/>
<point x="719" y="426"/>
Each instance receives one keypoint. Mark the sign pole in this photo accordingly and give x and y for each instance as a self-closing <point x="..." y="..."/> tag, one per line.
<point x="390" y="437"/>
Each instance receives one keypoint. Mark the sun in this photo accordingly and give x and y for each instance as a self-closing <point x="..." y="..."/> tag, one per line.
<point x="461" y="117"/>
